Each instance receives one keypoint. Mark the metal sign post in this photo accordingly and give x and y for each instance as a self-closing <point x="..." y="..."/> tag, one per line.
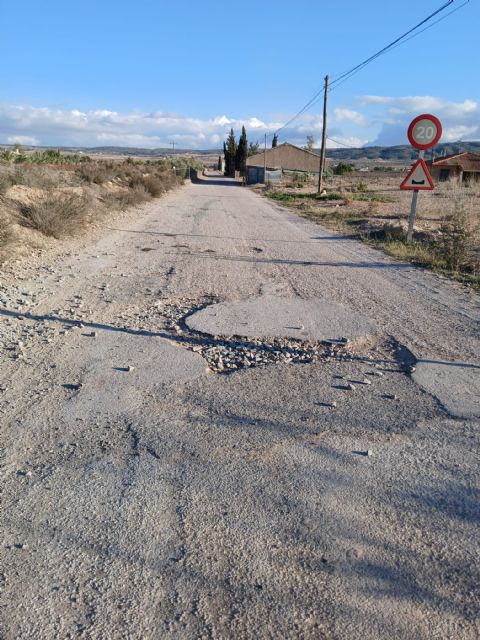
<point x="413" y="208"/>
<point x="423" y="133"/>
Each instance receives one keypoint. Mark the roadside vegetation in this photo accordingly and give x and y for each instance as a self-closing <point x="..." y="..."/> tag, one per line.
<point x="56" y="195"/>
<point x="372" y="208"/>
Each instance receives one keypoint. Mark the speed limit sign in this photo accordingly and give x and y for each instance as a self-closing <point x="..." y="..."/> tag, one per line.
<point x="424" y="131"/>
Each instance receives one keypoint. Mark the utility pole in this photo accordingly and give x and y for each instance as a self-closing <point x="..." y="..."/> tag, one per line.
<point x="324" y="138"/>
<point x="265" y="161"/>
<point x="173" y="144"/>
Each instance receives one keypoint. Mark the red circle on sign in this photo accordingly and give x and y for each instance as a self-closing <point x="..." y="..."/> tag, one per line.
<point x="432" y="143"/>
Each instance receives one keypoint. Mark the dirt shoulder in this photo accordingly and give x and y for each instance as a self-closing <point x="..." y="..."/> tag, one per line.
<point x="373" y="209"/>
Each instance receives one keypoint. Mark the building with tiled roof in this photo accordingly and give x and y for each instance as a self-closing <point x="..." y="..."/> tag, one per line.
<point x="460" y="167"/>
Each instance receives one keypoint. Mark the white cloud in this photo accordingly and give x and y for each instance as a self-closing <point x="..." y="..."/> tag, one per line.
<point x="348" y="115"/>
<point x="102" y="127"/>
<point x="346" y="141"/>
<point x="25" y="140"/>
<point x="381" y="120"/>
<point x="460" y="120"/>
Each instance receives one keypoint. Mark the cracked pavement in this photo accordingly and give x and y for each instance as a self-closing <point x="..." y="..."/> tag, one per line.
<point x="314" y="490"/>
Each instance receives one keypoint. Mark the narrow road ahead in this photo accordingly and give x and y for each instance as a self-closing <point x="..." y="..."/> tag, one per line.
<point x="165" y="478"/>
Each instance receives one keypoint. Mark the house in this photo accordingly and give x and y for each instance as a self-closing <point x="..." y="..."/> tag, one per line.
<point x="285" y="157"/>
<point x="460" y="167"/>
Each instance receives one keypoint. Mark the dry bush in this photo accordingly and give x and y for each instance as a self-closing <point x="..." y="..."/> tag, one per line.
<point x="459" y="246"/>
<point x="7" y="238"/>
<point x="154" y="185"/>
<point x="5" y="182"/>
<point x="96" y="172"/>
<point x="360" y="186"/>
<point x="128" y="198"/>
<point x="55" y="213"/>
<point x="33" y="177"/>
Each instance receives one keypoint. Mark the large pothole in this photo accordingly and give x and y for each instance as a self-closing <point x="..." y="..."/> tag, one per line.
<point x="269" y="316"/>
<point x="228" y="350"/>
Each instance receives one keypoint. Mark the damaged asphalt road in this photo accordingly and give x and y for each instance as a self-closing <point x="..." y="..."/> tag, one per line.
<point x="222" y="421"/>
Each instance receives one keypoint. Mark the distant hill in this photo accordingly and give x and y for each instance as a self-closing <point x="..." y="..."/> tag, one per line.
<point x="148" y="153"/>
<point x="399" y="153"/>
<point x="120" y="151"/>
<point x="403" y="152"/>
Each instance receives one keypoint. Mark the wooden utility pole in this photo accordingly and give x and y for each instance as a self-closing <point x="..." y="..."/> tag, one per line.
<point x="265" y="161"/>
<point x="324" y="138"/>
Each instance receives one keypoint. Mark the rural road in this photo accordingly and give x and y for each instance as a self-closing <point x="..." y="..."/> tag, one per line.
<point x="163" y="478"/>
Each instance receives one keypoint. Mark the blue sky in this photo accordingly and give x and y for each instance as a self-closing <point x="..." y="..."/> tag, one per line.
<point x="145" y="72"/>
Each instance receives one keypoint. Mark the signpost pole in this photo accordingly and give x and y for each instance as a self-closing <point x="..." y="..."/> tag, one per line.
<point x="413" y="208"/>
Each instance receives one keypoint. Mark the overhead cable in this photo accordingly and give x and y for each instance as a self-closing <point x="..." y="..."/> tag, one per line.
<point x="343" y="77"/>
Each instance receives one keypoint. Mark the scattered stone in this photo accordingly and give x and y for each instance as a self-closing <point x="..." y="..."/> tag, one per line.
<point x="369" y="452"/>
<point x="75" y="386"/>
<point x="390" y="396"/>
<point x="129" y="368"/>
<point x="350" y="387"/>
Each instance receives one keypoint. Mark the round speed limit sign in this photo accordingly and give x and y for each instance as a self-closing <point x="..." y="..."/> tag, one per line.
<point x="424" y="131"/>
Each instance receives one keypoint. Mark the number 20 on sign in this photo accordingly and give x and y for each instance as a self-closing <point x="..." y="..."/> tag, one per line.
<point x="424" y="132"/>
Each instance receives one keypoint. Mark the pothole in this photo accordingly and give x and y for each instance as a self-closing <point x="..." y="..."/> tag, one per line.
<point x="280" y="317"/>
<point x="228" y="353"/>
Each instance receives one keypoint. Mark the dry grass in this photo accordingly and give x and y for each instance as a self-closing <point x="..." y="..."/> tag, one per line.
<point x="126" y="197"/>
<point x="96" y="172"/>
<point x="447" y="229"/>
<point x="58" y="195"/>
<point x="460" y="240"/>
<point x="7" y="239"/>
<point x="154" y="185"/>
<point x="54" y="213"/>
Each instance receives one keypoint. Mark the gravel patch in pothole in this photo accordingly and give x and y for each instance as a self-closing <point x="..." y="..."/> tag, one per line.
<point x="226" y="354"/>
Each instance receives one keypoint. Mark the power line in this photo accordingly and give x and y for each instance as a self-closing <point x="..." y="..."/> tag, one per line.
<point x="389" y="46"/>
<point x="348" y="146"/>
<point x="343" y="77"/>
<point x="397" y="43"/>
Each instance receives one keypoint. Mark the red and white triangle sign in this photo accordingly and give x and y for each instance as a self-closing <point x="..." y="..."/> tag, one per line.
<point x="418" y="178"/>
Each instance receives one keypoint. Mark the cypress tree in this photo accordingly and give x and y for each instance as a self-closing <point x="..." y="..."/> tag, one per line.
<point x="274" y="140"/>
<point x="230" y="153"/>
<point x="242" y="153"/>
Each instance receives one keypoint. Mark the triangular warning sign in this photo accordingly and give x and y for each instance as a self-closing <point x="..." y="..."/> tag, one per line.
<point x="418" y="178"/>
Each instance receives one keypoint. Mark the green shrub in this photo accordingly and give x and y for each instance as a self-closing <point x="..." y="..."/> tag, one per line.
<point x="342" y="168"/>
